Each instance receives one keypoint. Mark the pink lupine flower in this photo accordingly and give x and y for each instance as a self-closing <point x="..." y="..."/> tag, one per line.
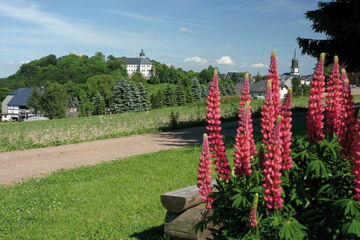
<point x="242" y="145"/>
<point x="253" y="211"/>
<point x="261" y="157"/>
<point x="315" y="117"/>
<point x="286" y="131"/>
<point x="245" y="98"/>
<point x="267" y="115"/>
<point x="347" y="117"/>
<point x="204" y="177"/>
<point x="334" y="100"/>
<point x="356" y="159"/>
<point x="274" y="77"/>
<point x="273" y="165"/>
<point x="217" y="146"/>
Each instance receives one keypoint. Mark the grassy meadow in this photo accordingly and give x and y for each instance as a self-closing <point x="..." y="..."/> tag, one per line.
<point x="25" y="135"/>
<point x="114" y="200"/>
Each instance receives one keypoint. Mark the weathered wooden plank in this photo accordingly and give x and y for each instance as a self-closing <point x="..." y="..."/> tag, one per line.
<point x="180" y="226"/>
<point x="182" y="199"/>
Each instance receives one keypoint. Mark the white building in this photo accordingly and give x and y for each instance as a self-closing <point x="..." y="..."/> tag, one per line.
<point x="14" y="106"/>
<point x="141" y="64"/>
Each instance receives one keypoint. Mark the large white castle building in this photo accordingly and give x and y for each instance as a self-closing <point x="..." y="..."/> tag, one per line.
<point x="141" y="64"/>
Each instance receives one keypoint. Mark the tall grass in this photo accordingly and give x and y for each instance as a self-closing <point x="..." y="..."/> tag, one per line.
<point x="25" y="135"/>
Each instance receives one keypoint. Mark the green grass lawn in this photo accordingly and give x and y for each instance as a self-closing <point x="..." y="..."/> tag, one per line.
<point x="115" y="200"/>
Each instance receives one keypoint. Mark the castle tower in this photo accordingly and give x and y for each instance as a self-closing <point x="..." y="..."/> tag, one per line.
<point x="295" y="65"/>
<point x="142" y="54"/>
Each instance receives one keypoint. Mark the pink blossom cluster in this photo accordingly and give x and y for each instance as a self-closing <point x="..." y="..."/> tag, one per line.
<point x="286" y="131"/>
<point x="204" y="177"/>
<point x="334" y="100"/>
<point x="267" y="114"/>
<point x="272" y="170"/>
<point x="274" y="77"/>
<point x="245" y="98"/>
<point x="347" y="117"/>
<point x="217" y="146"/>
<point x="315" y="117"/>
<point x="253" y="211"/>
<point x="242" y="145"/>
<point x="356" y="159"/>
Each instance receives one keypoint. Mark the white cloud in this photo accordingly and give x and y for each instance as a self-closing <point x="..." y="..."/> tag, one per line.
<point x="228" y="47"/>
<point x="302" y="21"/>
<point x="225" y="60"/>
<point x="23" y="62"/>
<point x="258" y="65"/>
<point x="55" y="27"/>
<point x="196" y="60"/>
<point x="184" y="29"/>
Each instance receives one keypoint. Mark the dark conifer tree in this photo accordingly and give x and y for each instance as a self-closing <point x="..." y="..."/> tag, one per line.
<point x="99" y="104"/>
<point x="180" y="97"/>
<point x="144" y="97"/>
<point x="196" y="89"/>
<point x="204" y="91"/>
<point x="122" y="97"/>
<point x="135" y="97"/>
<point x="169" y="96"/>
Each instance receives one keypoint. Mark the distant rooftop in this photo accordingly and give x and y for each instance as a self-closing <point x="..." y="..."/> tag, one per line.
<point x="20" y="97"/>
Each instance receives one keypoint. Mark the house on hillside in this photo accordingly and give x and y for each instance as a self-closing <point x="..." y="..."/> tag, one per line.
<point x="257" y="90"/>
<point x="141" y="64"/>
<point x="14" y="106"/>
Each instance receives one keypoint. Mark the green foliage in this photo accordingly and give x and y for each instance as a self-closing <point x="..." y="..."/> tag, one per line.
<point x="296" y="86"/>
<point x="102" y="84"/>
<point x="180" y="95"/>
<point x="138" y="78"/>
<point x="337" y="20"/>
<point x="122" y="95"/>
<point x="99" y="104"/>
<point x="34" y="100"/>
<point x="144" y="98"/>
<point x="174" y="119"/>
<point x="169" y="97"/>
<point x="54" y="100"/>
<point x="317" y="192"/>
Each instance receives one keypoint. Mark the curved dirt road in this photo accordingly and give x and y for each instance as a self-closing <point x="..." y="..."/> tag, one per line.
<point x="17" y="166"/>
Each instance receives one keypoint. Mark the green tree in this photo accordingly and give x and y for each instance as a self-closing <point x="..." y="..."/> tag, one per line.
<point x="339" y="20"/>
<point x="138" y="77"/>
<point x="180" y="98"/>
<point x="122" y="97"/>
<point x="103" y="84"/>
<point x="296" y="86"/>
<point x="135" y="97"/>
<point x="54" y="100"/>
<point x="99" y="104"/>
<point x="144" y="97"/>
<point x="34" y="100"/>
<point x="169" y="97"/>
<point x="196" y="89"/>
<point x="204" y="91"/>
<point x="86" y="107"/>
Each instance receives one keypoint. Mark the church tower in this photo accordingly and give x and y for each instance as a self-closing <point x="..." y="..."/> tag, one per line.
<point x="295" y="65"/>
<point x="142" y="54"/>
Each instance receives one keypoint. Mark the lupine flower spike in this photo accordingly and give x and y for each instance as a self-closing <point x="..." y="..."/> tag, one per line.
<point x="204" y="177"/>
<point x="267" y="114"/>
<point x="273" y="165"/>
<point x="242" y="145"/>
<point x="356" y="160"/>
<point x="245" y="98"/>
<point x="253" y="211"/>
<point x="334" y="100"/>
<point x="348" y="117"/>
<point x="217" y="146"/>
<point x="275" y="81"/>
<point x="315" y="117"/>
<point x="286" y="131"/>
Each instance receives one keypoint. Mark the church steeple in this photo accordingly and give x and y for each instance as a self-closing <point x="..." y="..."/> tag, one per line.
<point x="142" y="54"/>
<point x="295" y="65"/>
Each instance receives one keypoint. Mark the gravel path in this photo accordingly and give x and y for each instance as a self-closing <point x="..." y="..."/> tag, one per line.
<point x="17" y="166"/>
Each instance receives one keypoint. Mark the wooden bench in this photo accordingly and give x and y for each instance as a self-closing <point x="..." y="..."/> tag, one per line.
<point x="183" y="213"/>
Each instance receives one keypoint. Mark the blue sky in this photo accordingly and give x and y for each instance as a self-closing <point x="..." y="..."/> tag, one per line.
<point x="234" y="35"/>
